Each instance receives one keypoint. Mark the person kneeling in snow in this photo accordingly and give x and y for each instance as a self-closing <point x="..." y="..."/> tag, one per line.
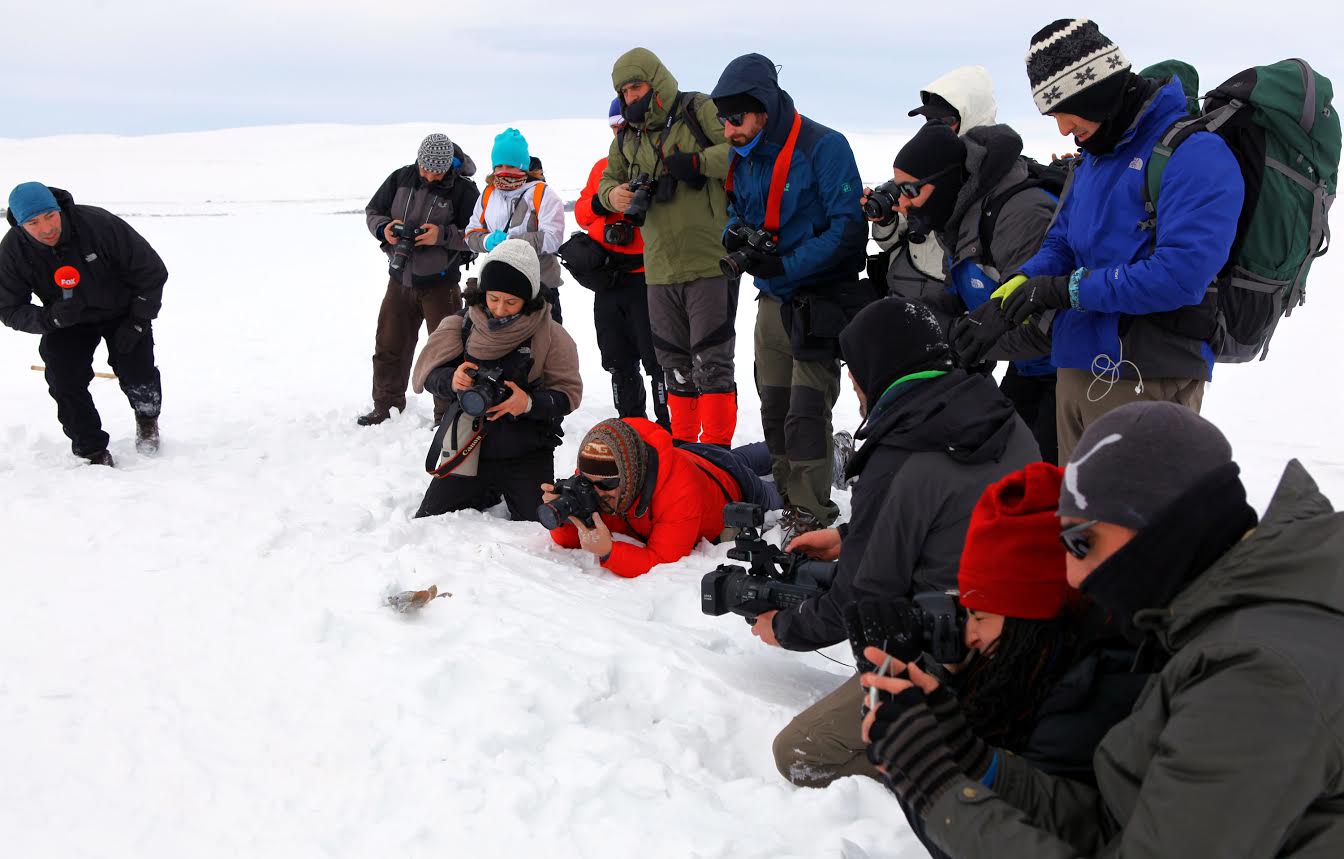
<point x="668" y="497"/>
<point x="508" y="327"/>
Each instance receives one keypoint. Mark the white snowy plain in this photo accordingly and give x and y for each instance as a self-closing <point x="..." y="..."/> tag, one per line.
<point x="196" y="657"/>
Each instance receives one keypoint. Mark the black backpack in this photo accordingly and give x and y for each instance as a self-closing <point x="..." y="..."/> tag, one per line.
<point x="1052" y="178"/>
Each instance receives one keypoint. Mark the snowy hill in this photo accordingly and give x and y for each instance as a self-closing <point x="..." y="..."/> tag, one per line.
<point x="197" y="661"/>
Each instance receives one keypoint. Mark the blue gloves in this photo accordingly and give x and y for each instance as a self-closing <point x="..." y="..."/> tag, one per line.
<point x="494" y="238"/>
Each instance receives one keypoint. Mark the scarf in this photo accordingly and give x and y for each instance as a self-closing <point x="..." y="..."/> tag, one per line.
<point x="504" y="182"/>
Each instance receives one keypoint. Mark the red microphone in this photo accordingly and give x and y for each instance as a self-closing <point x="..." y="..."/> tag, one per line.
<point x="67" y="278"/>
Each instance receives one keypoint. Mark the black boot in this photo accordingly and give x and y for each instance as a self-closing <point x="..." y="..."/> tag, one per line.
<point x="102" y="457"/>
<point x="146" y="435"/>
<point x="377" y="416"/>
<point x="660" y="413"/>
<point x="627" y="392"/>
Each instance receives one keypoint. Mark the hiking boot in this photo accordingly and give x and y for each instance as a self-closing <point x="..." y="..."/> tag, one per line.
<point x="102" y="457"/>
<point x="147" y="436"/>
<point x="794" y="521"/>
<point x="375" y="417"/>
<point x="841" y="453"/>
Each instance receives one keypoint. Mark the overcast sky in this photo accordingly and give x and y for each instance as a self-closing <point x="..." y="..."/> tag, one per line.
<point x="129" y="67"/>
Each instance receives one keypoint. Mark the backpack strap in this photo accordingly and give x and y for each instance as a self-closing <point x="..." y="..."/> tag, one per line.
<point x="692" y="102"/>
<point x="989" y="216"/>
<point x="485" y="202"/>
<point x="537" y="192"/>
<point x="1176" y="134"/>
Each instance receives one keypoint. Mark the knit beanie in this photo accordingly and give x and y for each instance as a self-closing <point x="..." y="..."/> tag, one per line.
<point x="512" y="267"/>
<point x="30" y="199"/>
<point x="1012" y="563"/>
<point x="436" y="153"/>
<point x="1075" y="69"/>
<point x="615" y="117"/>
<point x="933" y="149"/>
<point x="510" y="149"/>
<point x="891" y="338"/>
<point x="738" y="103"/>
<point x="1136" y="460"/>
<point x="614" y="448"/>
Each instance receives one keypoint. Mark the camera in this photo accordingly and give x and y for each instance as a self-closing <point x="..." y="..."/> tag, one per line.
<point x="639" y="206"/>
<point x="405" y="243"/>
<point x="774" y="579"/>
<point x="931" y="622"/>
<point x="578" y="498"/>
<point x="486" y="391"/>
<point x="619" y="233"/>
<point x="881" y="203"/>
<point x="750" y="245"/>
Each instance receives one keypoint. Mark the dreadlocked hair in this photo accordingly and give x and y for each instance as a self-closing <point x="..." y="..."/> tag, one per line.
<point x="474" y="296"/>
<point x="1002" y="690"/>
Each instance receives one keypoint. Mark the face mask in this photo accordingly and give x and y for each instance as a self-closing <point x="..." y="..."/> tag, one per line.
<point x="636" y="112"/>
<point x="509" y="181"/>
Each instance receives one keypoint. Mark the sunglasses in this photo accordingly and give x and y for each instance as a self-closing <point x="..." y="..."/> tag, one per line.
<point x="1075" y="540"/>
<point x="606" y="483"/>
<point x="733" y="118"/>
<point x="911" y="189"/>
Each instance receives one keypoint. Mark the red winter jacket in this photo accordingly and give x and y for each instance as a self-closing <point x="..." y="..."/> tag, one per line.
<point x="687" y="504"/>
<point x="595" y="222"/>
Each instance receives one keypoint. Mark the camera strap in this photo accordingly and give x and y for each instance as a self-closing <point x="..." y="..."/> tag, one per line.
<point x="779" y="177"/>
<point x="464" y="449"/>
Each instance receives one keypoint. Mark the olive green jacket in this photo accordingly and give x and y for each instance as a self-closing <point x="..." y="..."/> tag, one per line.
<point x="682" y="236"/>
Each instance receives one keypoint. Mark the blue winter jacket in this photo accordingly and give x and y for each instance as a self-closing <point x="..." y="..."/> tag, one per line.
<point x="822" y="232"/>
<point x="1135" y="292"/>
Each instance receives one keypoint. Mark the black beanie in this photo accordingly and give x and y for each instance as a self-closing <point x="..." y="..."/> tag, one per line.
<point x="1074" y="68"/>
<point x="498" y="276"/>
<point x="933" y="149"/>
<point x="891" y="338"/>
<point x="740" y="103"/>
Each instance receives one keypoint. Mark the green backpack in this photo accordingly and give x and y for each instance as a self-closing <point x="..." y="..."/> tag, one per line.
<point x="1279" y="123"/>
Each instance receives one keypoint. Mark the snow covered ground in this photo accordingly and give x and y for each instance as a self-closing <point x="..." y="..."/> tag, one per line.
<point x="196" y="658"/>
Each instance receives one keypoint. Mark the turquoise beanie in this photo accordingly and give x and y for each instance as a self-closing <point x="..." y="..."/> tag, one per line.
<point x="510" y="149"/>
<point x="31" y="199"/>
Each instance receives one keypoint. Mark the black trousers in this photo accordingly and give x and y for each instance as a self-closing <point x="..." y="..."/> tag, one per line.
<point x="621" y="317"/>
<point x="518" y="480"/>
<point x="68" y="354"/>
<point x="1034" y="399"/>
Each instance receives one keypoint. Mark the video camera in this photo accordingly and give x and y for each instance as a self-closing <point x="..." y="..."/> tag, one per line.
<point x="405" y="245"/>
<point x="931" y="622"/>
<point x="775" y="579"/>
<point x="578" y="497"/>
<point x="638" y="209"/>
<point x="748" y="246"/>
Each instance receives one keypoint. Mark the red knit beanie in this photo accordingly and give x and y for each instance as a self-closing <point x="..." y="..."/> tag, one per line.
<point x="1012" y="563"/>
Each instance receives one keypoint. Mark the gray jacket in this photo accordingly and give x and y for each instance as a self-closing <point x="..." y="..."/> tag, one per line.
<point x="406" y="197"/>
<point x="1235" y="749"/>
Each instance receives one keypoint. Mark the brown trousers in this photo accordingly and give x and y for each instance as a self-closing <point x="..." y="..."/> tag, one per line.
<point x="399" y="321"/>
<point x="1074" y="412"/>
<point x="825" y="741"/>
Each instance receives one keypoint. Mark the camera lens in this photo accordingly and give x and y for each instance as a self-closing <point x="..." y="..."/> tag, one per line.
<point x="473" y="402"/>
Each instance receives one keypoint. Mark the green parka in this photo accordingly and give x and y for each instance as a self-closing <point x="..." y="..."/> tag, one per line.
<point x="683" y="235"/>
<point x="1235" y="749"/>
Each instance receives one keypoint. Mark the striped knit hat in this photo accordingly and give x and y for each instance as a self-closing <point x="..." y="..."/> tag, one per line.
<point x="1075" y="69"/>
<point x="613" y="448"/>
<point x="436" y="153"/>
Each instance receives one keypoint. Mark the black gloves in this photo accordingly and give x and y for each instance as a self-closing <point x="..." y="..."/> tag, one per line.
<point x="1049" y="292"/>
<point x="63" y="314"/>
<point x="975" y="333"/>
<point x="685" y="167"/>
<point x="735" y="237"/>
<point x="906" y="741"/>
<point x="129" y="333"/>
<point x="766" y="266"/>
<point x="890" y="625"/>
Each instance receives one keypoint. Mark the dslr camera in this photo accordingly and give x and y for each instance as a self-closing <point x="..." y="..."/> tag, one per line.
<point x="773" y="579"/>
<point x="405" y="243"/>
<point x="931" y="622"/>
<point x="748" y="246"/>
<point x="578" y="497"/>
<point x="881" y="203"/>
<point x="638" y="209"/>
<point x="486" y="391"/>
<point x="619" y="233"/>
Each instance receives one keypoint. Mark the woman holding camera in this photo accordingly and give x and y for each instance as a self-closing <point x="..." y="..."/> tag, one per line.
<point x="507" y="360"/>
<point x="1049" y="675"/>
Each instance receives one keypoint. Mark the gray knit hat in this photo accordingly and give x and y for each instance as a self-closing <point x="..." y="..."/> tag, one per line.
<point x="436" y="153"/>
<point x="1135" y="461"/>
<point x="1068" y="58"/>
<point x="512" y="267"/>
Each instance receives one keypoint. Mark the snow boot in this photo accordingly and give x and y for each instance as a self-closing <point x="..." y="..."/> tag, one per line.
<point x="718" y="417"/>
<point x="794" y="521"/>
<point x="102" y="457"/>
<point x="685" y="414"/>
<point x="841" y="453"/>
<point x="375" y="417"/>
<point x="146" y="435"/>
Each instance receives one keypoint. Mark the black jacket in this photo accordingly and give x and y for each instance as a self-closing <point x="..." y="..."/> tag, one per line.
<point x="119" y="273"/>
<point x="448" y="203"/>
<point x="929" y="450"/>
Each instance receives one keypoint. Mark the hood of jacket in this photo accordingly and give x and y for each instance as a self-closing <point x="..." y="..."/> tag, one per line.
<point x="993" y="160"/>
<point x="963" y="414"/>
<point x="970" y="90"/>
<point x="641" y="64"/>
<point x="1293" y="555"/>
<point x="755" y="75"/>
<point x="64" y="199"/>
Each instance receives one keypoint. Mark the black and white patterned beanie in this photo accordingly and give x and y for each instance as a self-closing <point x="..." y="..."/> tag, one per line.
<point x="1074" y="68"/>
<point x="436" y="153"/>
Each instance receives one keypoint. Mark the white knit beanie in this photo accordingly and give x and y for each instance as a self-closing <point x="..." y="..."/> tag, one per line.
<point x="523" y="269"/>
